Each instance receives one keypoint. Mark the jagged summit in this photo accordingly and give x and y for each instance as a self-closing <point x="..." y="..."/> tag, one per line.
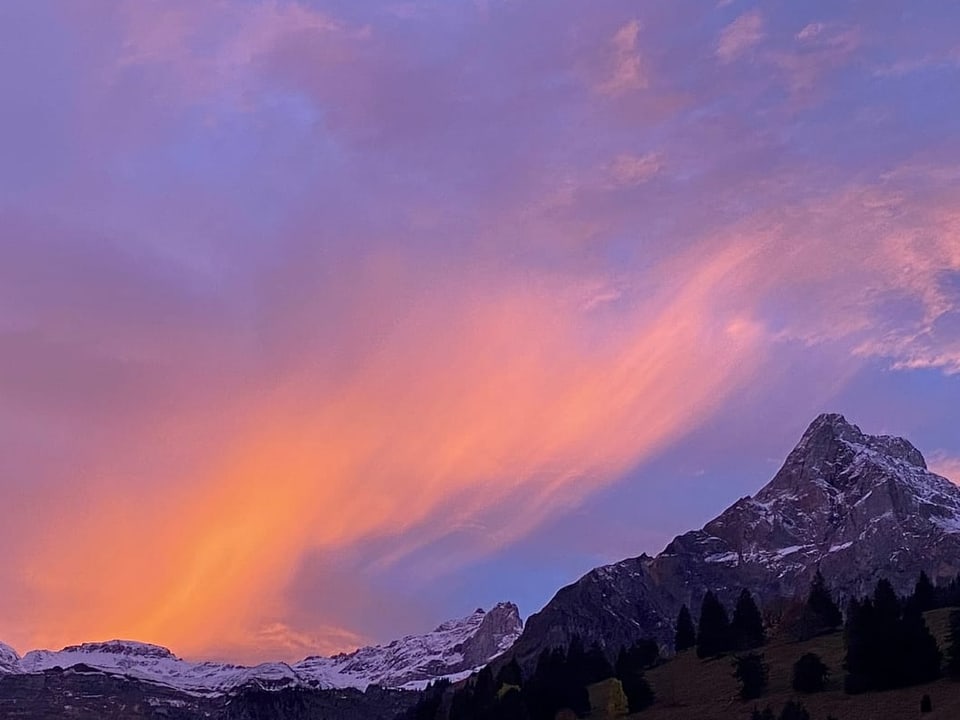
<point x="830" y="442"/>
<point x="857" y="506"/>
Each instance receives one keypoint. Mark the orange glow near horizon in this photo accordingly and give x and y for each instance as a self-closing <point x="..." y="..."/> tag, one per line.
<point x="510" y="397"/>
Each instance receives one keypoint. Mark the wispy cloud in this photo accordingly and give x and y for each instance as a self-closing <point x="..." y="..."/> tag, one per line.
<point x="628" y="72"/>
<point x="739" y="36"/>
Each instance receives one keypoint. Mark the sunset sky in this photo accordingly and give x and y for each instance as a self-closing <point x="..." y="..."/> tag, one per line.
<point x="322" y="322"/>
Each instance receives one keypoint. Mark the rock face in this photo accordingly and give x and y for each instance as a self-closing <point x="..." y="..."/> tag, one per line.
<point x="456" y="648"/>
<point x="856" y="506"/>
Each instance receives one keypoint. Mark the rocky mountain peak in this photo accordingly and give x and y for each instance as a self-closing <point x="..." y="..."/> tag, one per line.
<point x="498" y="630"/>
<point x="858" y="507"/>
<point x="833" y="452"/>
<point x="130" y="648"/>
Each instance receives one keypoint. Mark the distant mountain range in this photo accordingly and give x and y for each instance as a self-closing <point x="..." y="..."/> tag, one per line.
<point x="858" y="507"/>
<point x="454" y="649"/>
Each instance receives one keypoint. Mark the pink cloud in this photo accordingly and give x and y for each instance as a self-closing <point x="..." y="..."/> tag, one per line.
<point x="946" y="465"/>
<point x="629" y="72"/>
<point x="739" y="36"/>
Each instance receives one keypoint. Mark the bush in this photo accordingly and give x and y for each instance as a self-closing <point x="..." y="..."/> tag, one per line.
<point x="794" y="711"/>
<point x="638" y="691"/>
<point x="751" y="671"/>
<point x="809" y="674"/>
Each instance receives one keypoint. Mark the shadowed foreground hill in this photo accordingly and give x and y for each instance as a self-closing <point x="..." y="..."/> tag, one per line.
<point x="688" y="688"/>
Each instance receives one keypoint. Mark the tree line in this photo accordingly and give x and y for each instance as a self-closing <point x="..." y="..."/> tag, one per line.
<point x="887" y="645"/>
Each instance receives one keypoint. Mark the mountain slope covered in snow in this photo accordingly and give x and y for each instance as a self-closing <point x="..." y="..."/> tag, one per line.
<point x="453" y="649"/>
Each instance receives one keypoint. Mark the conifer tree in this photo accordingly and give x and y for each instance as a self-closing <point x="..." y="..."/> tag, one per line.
<point x="918" y="656"/>
<point x="713" y="633"/>
<point x="747" y="625"/>
<point x="924" y="593"/>
<point x="686" y="636"/>
<point x="885" y="656"/>
<point x="859" y="642"/>
<point x="820" y="613"/>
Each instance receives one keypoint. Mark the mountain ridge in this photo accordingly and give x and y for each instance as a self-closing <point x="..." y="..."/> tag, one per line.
<point x="857" y="506"/>
<point x="454" y="649"/>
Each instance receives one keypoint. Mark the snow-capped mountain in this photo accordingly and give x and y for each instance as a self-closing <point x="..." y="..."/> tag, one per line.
<point x="859" y="507"/>
<point x="455" y="648"/>
<point x="9" y="659"/>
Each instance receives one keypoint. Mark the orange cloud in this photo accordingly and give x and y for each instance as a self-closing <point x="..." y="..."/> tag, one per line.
<point x="483" y="396"/>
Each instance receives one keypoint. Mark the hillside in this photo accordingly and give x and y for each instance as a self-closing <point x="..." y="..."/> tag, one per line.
<point x="688" y="688"/>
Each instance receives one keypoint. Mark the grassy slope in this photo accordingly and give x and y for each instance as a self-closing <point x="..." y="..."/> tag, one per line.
<point x="688" y="688"/>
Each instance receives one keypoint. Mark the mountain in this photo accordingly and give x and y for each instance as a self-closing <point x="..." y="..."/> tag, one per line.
<point x="455" y="648"/>
<point x="9" y="660"/>
<point x="859" y="507"/>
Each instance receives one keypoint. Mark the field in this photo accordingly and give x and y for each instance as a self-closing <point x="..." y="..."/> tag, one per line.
<point x="688" y="688"/>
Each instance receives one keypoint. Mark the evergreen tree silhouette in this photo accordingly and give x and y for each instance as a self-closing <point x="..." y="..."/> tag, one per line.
<point x="924" y="593"/>
<point x="713" y="633"/>
<point x="686" y="636"/>
<point x="859" y="642"/>
<point x="888" y="645"/>
<point x="820" y="613"/>
<point x="747" y="625"/>
<point x="886" y="631"/>
<point x="919" y="657"/>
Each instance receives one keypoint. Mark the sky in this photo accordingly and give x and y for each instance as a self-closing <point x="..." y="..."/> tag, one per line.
<point x="322" y="322"/>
